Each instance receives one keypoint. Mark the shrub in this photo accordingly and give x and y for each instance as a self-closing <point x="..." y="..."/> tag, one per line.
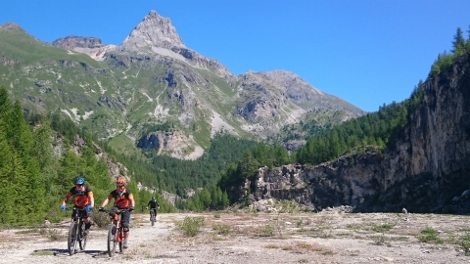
<point x="190" y="226"/>
<point x="464" y="243"/>
<point x="429" y="235"/>
<point x="101" y="219"/>
<point x="222" y="229"/>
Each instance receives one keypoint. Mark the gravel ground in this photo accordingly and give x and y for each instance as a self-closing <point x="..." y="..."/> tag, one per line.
<point x="325" y="237"/>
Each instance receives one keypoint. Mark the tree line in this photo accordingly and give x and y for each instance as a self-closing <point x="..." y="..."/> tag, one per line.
<point x="460" y="46"/>
<point x="38" y="166"/>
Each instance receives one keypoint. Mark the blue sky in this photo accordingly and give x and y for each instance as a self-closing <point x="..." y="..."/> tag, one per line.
<point x="367" y="52"/>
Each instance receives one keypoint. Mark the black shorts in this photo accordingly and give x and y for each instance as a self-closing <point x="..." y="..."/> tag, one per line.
<point x="82" y="212"/>
<point x="125" y="215"/>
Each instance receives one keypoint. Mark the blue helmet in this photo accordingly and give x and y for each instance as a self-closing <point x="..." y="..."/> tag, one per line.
<point x="79" y="180"/>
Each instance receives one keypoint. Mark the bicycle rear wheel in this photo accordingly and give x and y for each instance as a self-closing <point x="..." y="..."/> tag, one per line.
<point x="112" y="239"/>
<point x="72" y="238"/>
<point x="83" y="237"/>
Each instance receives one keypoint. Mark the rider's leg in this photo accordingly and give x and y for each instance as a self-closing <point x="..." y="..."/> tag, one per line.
<point x="86" y="219"/>
<point x="126" y="217"/>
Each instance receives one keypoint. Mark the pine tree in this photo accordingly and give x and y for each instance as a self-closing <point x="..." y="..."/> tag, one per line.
<point x="42" y="151"/>
<point x="459" y="43"/>
<point x="6" y="180"/>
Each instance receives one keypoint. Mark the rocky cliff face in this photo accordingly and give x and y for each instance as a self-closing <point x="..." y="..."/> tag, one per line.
<point x="426" y="169"/>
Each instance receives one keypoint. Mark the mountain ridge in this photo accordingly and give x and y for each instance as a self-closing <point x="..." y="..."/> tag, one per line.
<point x="152" y="78"/>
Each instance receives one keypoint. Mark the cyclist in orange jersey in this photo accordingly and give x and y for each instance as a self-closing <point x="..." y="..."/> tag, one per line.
<point x="123" y="199"/>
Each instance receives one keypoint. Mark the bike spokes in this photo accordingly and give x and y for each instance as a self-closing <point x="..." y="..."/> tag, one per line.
<point x="72" y="238"/>
<point x="112" y="240"/>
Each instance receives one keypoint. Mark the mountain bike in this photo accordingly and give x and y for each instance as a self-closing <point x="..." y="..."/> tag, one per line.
<point x="115" y="231"/>
<point x="76" y="232"/>
<point x="153" y="217"/>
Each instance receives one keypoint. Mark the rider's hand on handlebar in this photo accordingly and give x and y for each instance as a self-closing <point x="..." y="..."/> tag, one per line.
<point x="62" y="207"/>
<point x="89" y="207"/>
<point x="101" y="209"/>
<point x="131" y="209"/>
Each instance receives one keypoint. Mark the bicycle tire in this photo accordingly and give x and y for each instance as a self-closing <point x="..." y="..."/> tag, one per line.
<point x="72" y="238"/>
<point x="121" y="237"/>
<point x="112" y="240"/>
<point x="83" y="237"/>
<point x="152" y="219"/>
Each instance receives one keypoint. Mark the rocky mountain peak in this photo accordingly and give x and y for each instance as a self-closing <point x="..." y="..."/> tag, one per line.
<point x="154" y="31"/>
<point x="10" y="26"/>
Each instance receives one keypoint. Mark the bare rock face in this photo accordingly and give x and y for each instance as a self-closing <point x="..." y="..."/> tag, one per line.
<point x="90" y="46"/>
<point x="73" y="42"/>
<point x="426" y="169"/>
<point x="176" y="144"/>
<point x="155" y="35"/>
<point x="153" y="31"/>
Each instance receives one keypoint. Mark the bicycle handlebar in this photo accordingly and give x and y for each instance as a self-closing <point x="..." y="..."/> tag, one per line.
<point x="118" y="211"/>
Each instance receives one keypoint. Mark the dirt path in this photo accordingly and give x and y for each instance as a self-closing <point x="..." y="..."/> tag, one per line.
<point x="327" y="237"/>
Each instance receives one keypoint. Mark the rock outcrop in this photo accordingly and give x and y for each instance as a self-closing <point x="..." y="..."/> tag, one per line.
<point x="72" y="42"/>
<point x="425" y="169"/>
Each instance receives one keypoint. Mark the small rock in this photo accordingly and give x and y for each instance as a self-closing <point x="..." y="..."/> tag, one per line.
<point x="46" y="223"/>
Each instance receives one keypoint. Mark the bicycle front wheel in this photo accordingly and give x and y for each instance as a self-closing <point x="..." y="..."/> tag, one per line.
<point x="152" y="218"/>
<point x="120" y="237"/>
<point x="112" y="240"/>
<point x="83" y="237"/>
<point x="72" y="238"/>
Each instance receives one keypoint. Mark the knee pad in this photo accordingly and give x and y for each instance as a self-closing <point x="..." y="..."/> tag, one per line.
<point x="125" y="227"/>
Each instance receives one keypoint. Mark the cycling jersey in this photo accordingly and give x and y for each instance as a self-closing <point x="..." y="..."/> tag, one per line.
<point x="121" y="200"/>
<point x="81" y="197"/>
<point x="153" y="204"/>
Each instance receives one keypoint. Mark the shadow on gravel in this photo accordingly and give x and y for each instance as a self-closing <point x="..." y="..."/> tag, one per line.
<point x="64" y="252"/>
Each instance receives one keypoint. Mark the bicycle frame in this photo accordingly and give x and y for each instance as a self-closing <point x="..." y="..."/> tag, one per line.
<point x="115" y="232"/>
<point x="76" y="232"/>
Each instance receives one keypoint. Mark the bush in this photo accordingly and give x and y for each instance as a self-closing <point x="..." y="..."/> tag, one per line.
<point x="429" y="235"/>
<point x="222" y="229"/>
<point x="101" y="219"/>
<point x="465" y="243"/>
<point x="190" y="225"/>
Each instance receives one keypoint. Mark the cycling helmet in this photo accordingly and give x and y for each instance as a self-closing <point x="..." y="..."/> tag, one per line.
<point x="153" y="197"/>
<point x="121" y="181"/>
<point x="79" y="180"/>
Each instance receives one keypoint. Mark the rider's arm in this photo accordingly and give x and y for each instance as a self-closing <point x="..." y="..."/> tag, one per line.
<point x="92" y="199"/>
<point x="131" y="199"/>
<point x="105" y="202"/>
<point x="67" y="197"/>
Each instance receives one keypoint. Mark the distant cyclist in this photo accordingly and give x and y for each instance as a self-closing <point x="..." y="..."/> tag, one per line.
<point x="123" y="199"/>
<point x="83" y="201"/>
<point x="153" y="205"/>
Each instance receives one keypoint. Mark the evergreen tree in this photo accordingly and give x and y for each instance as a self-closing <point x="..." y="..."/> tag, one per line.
<point x="458" y="44"/>
<point x="5" y="103"/>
